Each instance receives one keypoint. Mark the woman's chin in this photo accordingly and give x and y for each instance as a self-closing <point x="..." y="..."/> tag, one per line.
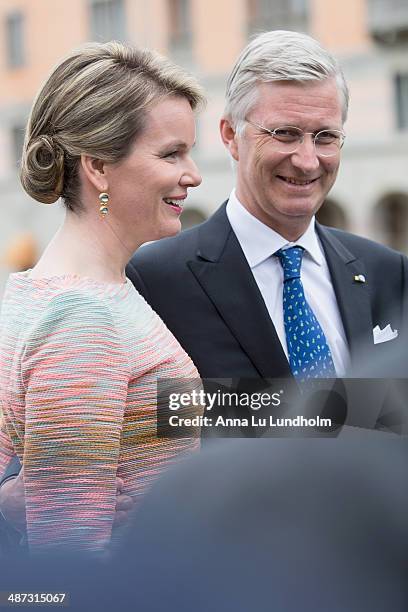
<point x="170" y="229"/>
<point x="165" y="230"/>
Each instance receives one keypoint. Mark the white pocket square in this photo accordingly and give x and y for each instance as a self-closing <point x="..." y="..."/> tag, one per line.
<point x="384" y="335"/>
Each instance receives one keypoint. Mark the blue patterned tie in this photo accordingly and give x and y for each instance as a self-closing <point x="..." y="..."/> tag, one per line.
<point x="309" y="353"/>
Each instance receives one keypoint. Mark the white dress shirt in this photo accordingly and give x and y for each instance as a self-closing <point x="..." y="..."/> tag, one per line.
<point x="259" y="242"/>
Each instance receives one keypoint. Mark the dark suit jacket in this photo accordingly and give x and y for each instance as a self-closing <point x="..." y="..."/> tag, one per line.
<point x="202" y="287"/>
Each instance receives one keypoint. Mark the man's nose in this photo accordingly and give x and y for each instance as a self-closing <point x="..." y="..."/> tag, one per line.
<point x="305" y="157"/>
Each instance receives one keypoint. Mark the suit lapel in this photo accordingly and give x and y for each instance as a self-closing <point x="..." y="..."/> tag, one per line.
<point x="223" y="273"/>
<point x="353" y="297"/>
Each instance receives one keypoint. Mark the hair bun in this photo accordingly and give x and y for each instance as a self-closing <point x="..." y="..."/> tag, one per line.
<point x="42" y="169"/>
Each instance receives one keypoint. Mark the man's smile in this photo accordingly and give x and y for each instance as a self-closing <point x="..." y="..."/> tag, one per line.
<point x="295" y="181"/>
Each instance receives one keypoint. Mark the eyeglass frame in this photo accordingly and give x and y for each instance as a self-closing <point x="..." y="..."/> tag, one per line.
<point x="302" y="135"/>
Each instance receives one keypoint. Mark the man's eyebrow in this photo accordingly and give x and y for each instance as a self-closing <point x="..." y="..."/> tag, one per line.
<point x="329" y="128"/>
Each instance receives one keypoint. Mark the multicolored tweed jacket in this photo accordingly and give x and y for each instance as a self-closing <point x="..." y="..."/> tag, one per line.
<point x="79" y="362"/>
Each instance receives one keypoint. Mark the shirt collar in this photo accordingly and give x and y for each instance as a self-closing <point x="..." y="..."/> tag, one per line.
<point x="258" y="241"/>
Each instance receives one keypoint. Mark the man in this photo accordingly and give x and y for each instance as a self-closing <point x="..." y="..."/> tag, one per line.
<point x="225" y="288"/>
<point x="219" y="286"/>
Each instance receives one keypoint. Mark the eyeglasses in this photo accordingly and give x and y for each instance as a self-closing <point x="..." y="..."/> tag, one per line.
<point x="287" y="139"/>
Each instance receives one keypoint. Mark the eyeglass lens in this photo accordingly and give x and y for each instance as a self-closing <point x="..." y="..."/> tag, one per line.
<point x="287" y="140"/>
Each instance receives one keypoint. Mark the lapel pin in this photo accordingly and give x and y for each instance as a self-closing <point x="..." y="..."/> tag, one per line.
<point x="359" y="278"/>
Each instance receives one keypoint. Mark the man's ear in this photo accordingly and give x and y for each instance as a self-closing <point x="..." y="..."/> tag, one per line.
<point x="229" y="138"/>
<point x="94" y="171"/>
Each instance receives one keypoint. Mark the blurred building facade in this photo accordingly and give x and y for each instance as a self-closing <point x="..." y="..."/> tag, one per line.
<point x="370" y="37"/>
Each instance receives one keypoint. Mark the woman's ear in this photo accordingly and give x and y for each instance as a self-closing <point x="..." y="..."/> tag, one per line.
<point x="94" y="170"/>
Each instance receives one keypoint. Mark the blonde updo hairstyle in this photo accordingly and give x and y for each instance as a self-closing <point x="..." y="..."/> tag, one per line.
<point x="94" y="102"/>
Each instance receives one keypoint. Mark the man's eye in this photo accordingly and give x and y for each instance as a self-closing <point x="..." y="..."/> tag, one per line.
<point x="286" y="135"/>
<point x="170" y="154"/>
<point x="327" y="137"/>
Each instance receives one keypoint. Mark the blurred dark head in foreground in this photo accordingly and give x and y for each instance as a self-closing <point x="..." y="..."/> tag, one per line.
<point x="291" y="525"/>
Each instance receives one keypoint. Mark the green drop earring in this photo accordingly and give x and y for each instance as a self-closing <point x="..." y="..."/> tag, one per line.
<point x="103" y="199"/>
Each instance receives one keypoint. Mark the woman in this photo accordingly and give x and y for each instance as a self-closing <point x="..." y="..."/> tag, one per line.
<point x="110" y="132"/>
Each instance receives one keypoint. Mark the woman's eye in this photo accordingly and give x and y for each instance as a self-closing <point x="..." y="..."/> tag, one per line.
<point x="170" y="154"/>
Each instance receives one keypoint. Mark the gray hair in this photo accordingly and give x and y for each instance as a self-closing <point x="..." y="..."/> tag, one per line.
<point x="94" y="102"/>
<point x="278" y="55"/>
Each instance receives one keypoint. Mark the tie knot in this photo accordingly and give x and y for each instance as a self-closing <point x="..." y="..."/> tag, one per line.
<point x="291" y="261"/>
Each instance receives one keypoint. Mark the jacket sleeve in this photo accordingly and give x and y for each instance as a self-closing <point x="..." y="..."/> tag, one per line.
<point x="76" y="376"/>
